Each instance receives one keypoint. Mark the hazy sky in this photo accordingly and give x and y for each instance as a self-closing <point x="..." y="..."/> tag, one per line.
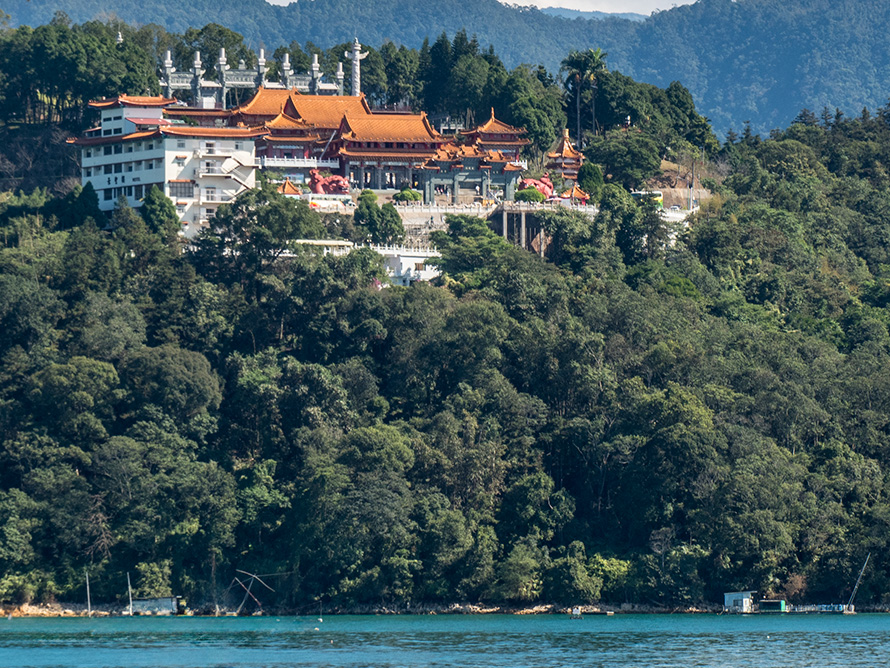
<point x="616" y="6"/>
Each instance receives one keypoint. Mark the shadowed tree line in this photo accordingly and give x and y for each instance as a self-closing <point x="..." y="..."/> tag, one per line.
<point x="628" y="420"/>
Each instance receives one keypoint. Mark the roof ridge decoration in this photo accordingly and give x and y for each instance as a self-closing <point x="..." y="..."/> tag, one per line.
<point x="125" y="100"/>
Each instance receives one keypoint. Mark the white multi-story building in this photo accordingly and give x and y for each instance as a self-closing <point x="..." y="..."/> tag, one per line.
<point x="135" y="147"/>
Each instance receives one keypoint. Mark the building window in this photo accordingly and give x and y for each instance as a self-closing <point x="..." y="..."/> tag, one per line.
<point x="106" y="132"/>
<point x="118" y="148"/>
<point x="180" y="143"/>
<point x="88" y="153"/>
<point x="87" y="172"/>
<point x="129" y="148"/>
<point x="139" y="191"/>
<point x="180" y="209"/>
<point x="118" y="131"/>
<point x="137" y="165"/>
<point x="181" y="189"/>
<point x="108" y="194"/>
<point x="118" y="168"/>
<point x="129" y="191"/>
<point x="129" y="167"/>
<point x="149" y="146"/>
<point x="106" y="150"/>
<point x="237" y="146"/>
<point x="106" y="169"/>
<point x="179" y="161"/>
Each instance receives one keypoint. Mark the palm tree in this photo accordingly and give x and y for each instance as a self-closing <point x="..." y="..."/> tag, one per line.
<point x="596" y="59"/>
<point x="580" y="68"/>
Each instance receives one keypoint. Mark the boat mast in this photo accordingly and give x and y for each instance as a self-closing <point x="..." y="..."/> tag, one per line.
<point x="858" y="580"/>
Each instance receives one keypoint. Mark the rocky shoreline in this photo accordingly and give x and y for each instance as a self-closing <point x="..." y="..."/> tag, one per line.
<point x="80" y="610"/>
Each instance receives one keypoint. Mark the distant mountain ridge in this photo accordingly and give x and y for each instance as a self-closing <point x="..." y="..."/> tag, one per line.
<point x="595" y="16"/>
<point x="743" y="60"/>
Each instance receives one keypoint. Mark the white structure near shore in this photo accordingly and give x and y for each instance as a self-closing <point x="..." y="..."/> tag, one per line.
<point x="404" y="264"/>
<point x="739" y="601"/>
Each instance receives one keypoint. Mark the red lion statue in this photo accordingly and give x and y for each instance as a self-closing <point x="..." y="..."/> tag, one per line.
<point x="327" y="185"/>
<point x="544" y="186"/>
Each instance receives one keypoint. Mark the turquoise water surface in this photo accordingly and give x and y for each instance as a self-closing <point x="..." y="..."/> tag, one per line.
<point x="620" y="641"/>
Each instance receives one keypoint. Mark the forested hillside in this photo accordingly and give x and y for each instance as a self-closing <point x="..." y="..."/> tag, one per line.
<point x="750" y="60"/>
<point x="627" y="420"/>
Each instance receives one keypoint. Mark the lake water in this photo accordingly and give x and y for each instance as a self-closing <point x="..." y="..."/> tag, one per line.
<point x="620" y="641"/>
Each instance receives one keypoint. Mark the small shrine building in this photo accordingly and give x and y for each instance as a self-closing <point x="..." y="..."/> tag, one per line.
<point x="564" y="159"/>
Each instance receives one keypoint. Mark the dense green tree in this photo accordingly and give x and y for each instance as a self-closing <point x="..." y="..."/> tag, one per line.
<point x="159" y="213"/>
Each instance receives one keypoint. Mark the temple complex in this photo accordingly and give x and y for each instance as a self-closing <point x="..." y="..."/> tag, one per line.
<point x="564" y="159"/>
<point x="205" y="154"/>
<point x="373" y="150"/>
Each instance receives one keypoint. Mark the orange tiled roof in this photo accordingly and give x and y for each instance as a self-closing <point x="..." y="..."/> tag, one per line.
<point x="292" y="139"/>
<point x="98" y="141"/>
<point x="196" y="112"/>
<point x="575" y="193"/>
<point x="455" y="152"/>
<point x="392" y="155"/>
<point x="266" y="102"/>
<point x="288" y="188"/>
<point x="284" y="122"/>
<point x="222" y="133"/>
<point x="132" y="101"/>
<point x="389" y="128"/>
<point x="494" y="126"/>
<point x="326" y="111"/>
<point x="565" y="149"/>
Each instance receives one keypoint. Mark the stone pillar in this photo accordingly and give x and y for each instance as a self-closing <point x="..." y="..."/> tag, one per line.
<point x="379" y="179"/>
<point x="315" y="75"/>
<point x="168" y="73"/>
<point x="222" y="67"/>
<point x="455" y="189"/>
<point x="428" y="197"/>
<point x="340" y="77"/>
<point x="509" y="188"/>
<point x="261" y="69"/>
<point x="197" y="73"/>
<point x="356" y="56"/>
<point x="504" y="219"/>
<point x="287" y="72"/>
<point x="522" y="230"/>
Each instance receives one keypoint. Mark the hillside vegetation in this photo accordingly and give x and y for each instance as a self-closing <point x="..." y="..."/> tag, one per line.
<point x="628" y="420"/>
